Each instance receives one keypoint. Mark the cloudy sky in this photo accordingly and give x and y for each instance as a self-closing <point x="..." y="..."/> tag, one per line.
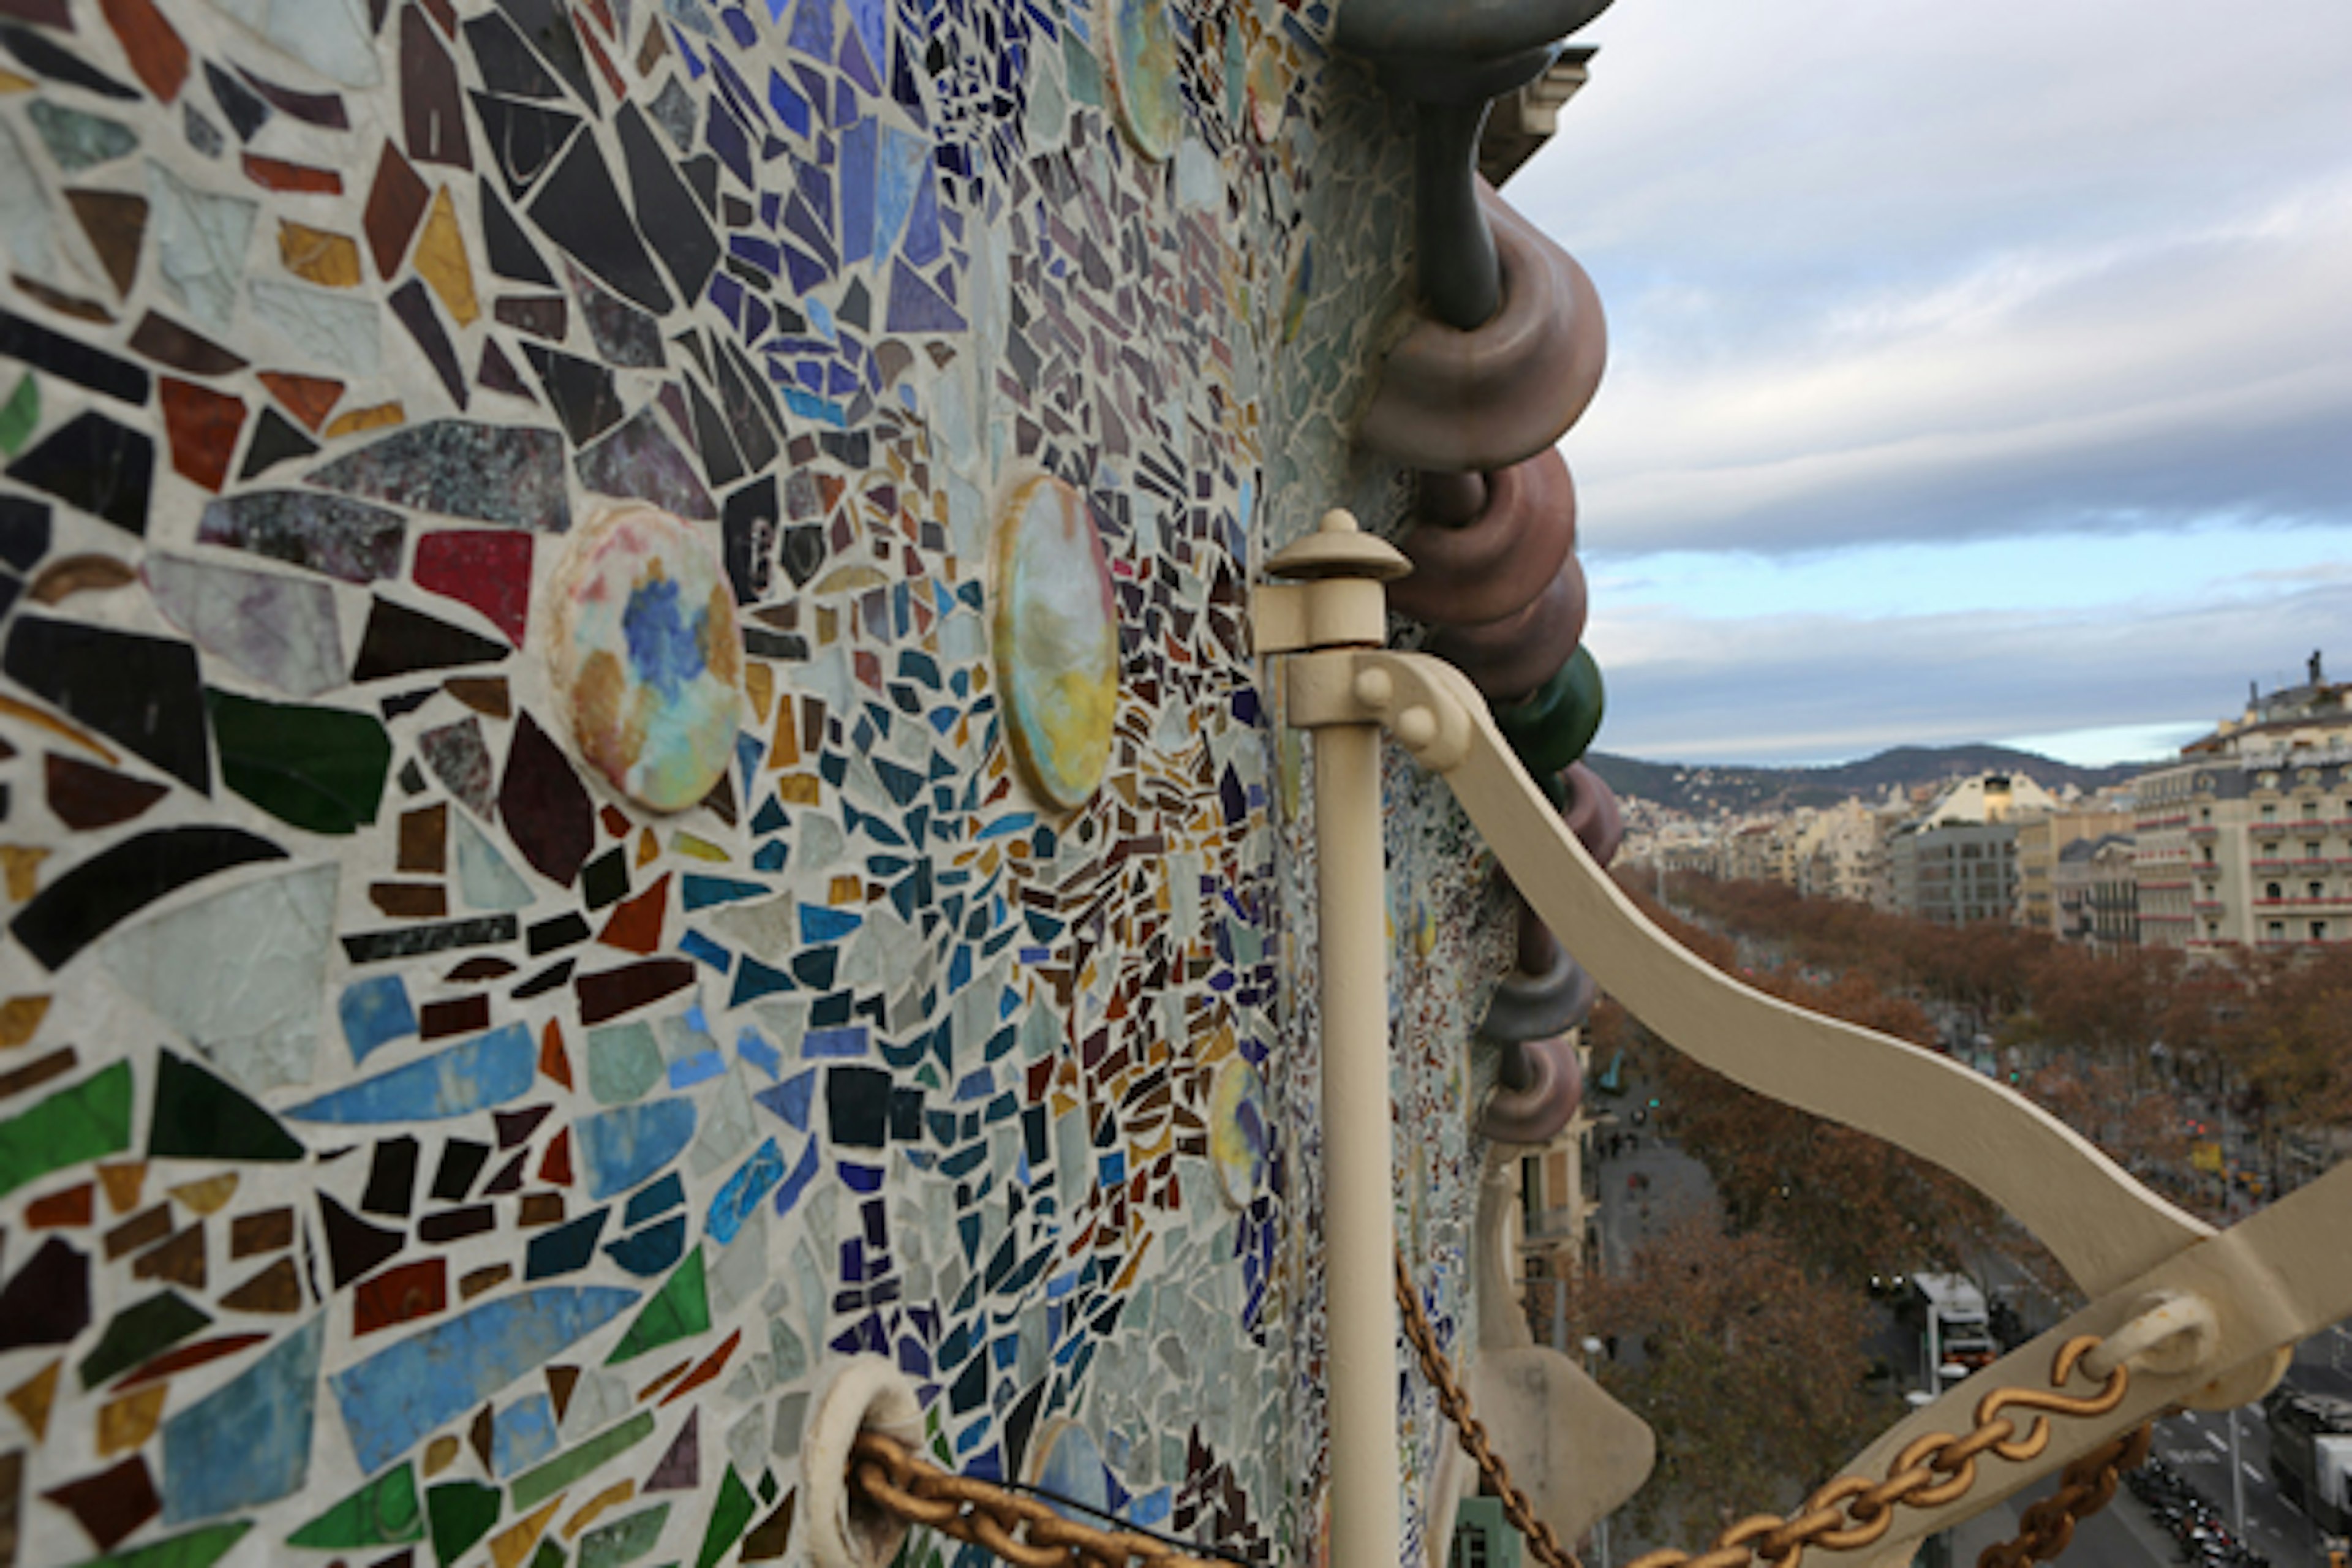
<point x="1976" y="372"/>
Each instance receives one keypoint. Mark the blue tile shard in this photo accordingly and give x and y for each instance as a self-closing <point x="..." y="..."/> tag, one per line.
<point x="472" y="1077"/>
<point x="396" y="1398"/>
<point x="249" y="1441"/>
<point x="621" y="1147"/>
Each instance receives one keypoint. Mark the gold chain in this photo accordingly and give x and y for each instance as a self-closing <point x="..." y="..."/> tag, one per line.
<point x="1851" y="1511"/>
<point x="1938" y="1469"/>
<point x="1455" y="1405"/>
<point x="1021" y="1530"/>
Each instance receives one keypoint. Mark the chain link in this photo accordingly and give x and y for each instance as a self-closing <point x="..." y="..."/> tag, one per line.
<point x="1024" y="1530"/>
<point x="1455" y="1405"/>
<point x="1938" y="1469"/>
<point x="1851" y="1511"/>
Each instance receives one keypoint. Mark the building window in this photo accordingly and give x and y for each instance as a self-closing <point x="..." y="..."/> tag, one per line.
<point x="2311" y="851"/>
<point x="2269" y="814"/>
<point x="2212" y="931"/>
<point x="2273" y="891"/>
<point x="2319" y="930"/>
<point x="2204" y="813"/>
<point x="2317" y="890"/>
<point x="2277" y="931"/>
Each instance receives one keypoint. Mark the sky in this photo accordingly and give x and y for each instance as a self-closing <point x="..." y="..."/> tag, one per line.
<point x="1977" y="373"/>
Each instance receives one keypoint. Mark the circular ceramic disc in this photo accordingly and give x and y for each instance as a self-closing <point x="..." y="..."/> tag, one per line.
<point x="1238" y="1134"/>
<point x="1143" y="67"/>
<point x="1057" y="641"/>
<point x="648" y="656"/>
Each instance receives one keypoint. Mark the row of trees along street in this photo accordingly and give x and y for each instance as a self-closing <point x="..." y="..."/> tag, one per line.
<point x="1744" y="1330"/>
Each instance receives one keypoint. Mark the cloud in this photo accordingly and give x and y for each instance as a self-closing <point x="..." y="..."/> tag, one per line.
<point x="1822" y="687"/>
<point x="1898" y="269"/>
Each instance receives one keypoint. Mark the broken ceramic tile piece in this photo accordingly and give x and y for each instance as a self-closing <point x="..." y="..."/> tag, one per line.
<point x="282" y="631"/>
<point x="497" y="473"/>
<point x="347" y="540"/>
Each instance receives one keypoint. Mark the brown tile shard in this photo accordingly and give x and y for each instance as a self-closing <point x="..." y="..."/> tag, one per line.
<point x="152" y="44"/>
<point x="277" y="1288"/>
<point x="65" y="304"/>
<point x="459" y="1015"/>
<point x="142" y="1229"/>
<point x="395" y="204"/>
<point x="74" y="1206"/>
<point x="61" y="579"/>
<point x="123" y="1182"/>
<point x="379" y="416"/>
<point x="485" y="694"/>
<point x="180" y="1260"/>
<point x="442" y="261"/>
<point x="424" y="838"/>
<point x="38" y="1071"/>
<point x="541" y="1208"/>
<point x="126" y="1423"/>
<point x="320" y="255"/>
<point x="272" y="1231"/>
<point x="409" y="900"/>
<point x="299" y="179"/>
<point x="20" y="1020"/>
<point x="166" y="341"/>
<point x="111" y="1504"/>
<point x="117" y="225"/>
<point x="204" y="425"/>
<point x="85" y="797"/>
<point x="482" y="1279"/>
<point x="33" y="1398"/>
<point x="308" y="398"/>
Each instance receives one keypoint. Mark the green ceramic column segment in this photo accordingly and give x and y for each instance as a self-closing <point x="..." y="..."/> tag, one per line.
<point x="196" y="1549"/>
<point x="317" y="768"/>
<point x="462" y="1514"/>
<point x="624" y="1540"/>
<point x="728" y="1516"/>
<point x="680" y="1309"/>
<point x="1552" y="730"/>
<point x="138" y="1333"/>
<point x="535" y="1486"/>
<point x="199" y="1116"/>
<point x="90" y="1119"/>
<point x="381" y="1513"/>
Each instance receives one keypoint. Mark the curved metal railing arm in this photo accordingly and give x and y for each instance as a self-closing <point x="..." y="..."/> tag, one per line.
<point x="2104" y="1227"/>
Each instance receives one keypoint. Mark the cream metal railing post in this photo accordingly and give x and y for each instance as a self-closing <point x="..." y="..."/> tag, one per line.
<point x="1336" y="605"/>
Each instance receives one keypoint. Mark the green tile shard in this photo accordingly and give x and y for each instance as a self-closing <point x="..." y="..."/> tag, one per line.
<point x="20" y="414"/>
<point x="317" y="768"/>
<point x="138" y="1333"/>
<point x="728" y="1516"/>
<point x="679" y="1309"/>
<point x="462" y="1514"/>
<point x="381" y="1513"/>
<point x="90" y="1119"/>
<point x="624" y="1540"/>
<point x="535" y="1486"/>
<point x="199" y="1116"/>
<point x="195" y="1549"/>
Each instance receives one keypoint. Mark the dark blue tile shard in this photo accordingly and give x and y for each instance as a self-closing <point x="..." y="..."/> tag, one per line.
<point x="440" y="936"/>
<point x="657" y="1198"/>
<point x="639" y="462"/>
<point x="917" y="307"/>
<point x="549" y="29"/>
<point x="38" y="55"/>
<point x="566" y="1249"/>
<point x="673" y="110"/>
<point x="579" y="207"/>
<point x="414" y="308"/>
<point x="244" y="109"/>
<point x="750" y="412"/>
<point x="726" y="136"/>
<point x="402" y="641"/>
<point x="667" y="211"/>
<point x="116" y="883"/>
<point x="498" y="473"/>
<point x="545" y="808"/>
<point x="23" y="530"/>
<point x="510" y="250"/>
<point x="581" y="392"/>
<point x="652" y="1251"/>
<point x="48" y="1304"/>
<point x="749" y="527"/>
<point x="433" y="117"/>
<point x="71" y="358"/>
<point x="96" y="465"/>
<point x="144" y="692"/>
<point x="506" y="62"/>
<point x="525" y="138"/>
<point x="624" y="336"/>
<point x="721" y="463"/>
<point x="276" y="439"/>
<point x="343" y="539"/>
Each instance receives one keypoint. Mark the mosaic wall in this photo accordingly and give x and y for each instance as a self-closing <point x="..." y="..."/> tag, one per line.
<point x="630" y="763"/>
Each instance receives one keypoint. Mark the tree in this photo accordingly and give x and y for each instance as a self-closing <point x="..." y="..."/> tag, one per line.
<point x="1747" y="1365"/>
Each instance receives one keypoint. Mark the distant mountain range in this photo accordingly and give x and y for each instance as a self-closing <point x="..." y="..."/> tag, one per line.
<point x="1703" y="790"/>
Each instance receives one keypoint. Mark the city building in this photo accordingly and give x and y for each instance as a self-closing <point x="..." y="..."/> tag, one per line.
<point x="2246" y="839"/>
<point x="2041" y="839"/>
<point x="2113" y="902"/>
<point x="1958" y="861"/>
<point x="1843" y="853"/>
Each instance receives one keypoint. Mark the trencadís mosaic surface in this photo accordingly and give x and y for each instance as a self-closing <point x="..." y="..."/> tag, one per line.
<point x="529" y="926"/>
